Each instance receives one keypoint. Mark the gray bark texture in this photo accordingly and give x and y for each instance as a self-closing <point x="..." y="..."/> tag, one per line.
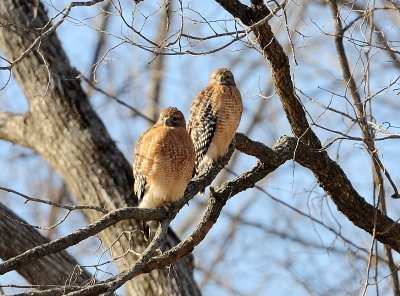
<point x="63" y="128"/>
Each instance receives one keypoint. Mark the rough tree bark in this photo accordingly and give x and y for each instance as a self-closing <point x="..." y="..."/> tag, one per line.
<point x="62" y="127"/>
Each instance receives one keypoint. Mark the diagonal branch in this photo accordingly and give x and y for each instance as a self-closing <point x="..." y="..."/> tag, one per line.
<point x="79" y="235"/>
<point x="216" y="202"/>
<point x="117" y="281"/>
<point x="62" y="266"/>
<point x="334" y="181"/>
<point x="239" y="10"/>
<point x="279" y="61"/>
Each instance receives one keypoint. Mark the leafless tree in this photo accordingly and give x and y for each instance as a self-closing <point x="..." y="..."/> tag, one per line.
<point x="319" y="81"/>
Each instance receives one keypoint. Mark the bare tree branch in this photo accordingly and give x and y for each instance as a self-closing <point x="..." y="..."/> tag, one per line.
<point x="280" y="67"/>
<point x="367" y="132"/>
<point x="79" y="235"/>
<point x="71" y="208"/>
<point x="61" y="266"/>
<point x="335" y="182"/>
<point x="62" y="126"/>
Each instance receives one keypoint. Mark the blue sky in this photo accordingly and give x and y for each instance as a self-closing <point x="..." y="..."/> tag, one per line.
<point x="258" y="259"/>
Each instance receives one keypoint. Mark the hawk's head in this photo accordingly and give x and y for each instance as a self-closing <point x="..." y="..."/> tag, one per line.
<point x="171" y="116"/>
<point x="222" y="76"/>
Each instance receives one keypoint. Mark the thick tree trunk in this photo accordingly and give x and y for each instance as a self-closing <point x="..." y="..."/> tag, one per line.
<point x="63" y="128"/>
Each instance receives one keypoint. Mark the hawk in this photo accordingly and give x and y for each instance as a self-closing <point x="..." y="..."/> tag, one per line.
<point x="164" y="162"/>
<point x="214" y="118"/>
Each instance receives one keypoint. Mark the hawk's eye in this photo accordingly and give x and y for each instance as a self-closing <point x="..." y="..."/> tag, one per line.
<point x="174" y="118"/>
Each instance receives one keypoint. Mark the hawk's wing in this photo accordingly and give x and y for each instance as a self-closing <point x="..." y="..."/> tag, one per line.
<point x="140" y="179"/>
<point x="202" y="123"/>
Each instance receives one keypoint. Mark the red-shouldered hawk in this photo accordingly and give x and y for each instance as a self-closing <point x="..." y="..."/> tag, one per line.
<point x="164" y="162"/>
<point x="214" y="118"/>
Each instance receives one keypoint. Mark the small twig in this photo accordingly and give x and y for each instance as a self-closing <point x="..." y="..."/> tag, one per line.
<point x="65" y="12"/>
<point x="89" y="82"/>
<point x="51" y="203"/>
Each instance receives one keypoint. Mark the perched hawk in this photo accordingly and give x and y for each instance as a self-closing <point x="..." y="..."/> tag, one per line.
<point x="164" y="162"/>
<point x="214" y="118"/>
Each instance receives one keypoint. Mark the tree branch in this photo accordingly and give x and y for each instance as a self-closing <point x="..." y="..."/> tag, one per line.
<point x="328" y="173"/>
<point x="62" y="267"/>
<point x="335" y="182"/>
<point x="280" y="67"/>
<point x="239" y="10"/>
<point x="79" y="235"/>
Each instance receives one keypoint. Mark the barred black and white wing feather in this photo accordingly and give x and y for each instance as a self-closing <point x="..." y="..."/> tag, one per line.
<point x="140" y="185"/>
<point x="140" y="179"/>
<point x="140" y="182"/>
<point x="202" y="133"/>
<point x="139" y="189"/>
